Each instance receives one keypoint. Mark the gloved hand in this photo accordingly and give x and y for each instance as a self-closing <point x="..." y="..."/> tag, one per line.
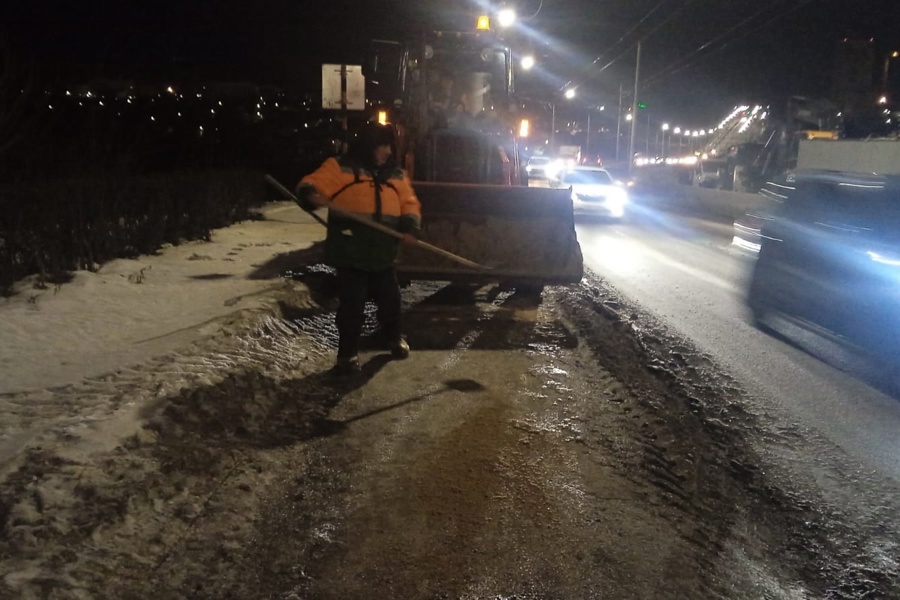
<point x="309" y="198"/>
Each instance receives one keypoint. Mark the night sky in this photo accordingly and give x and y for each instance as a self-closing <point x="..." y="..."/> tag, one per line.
<point x="699" y="57"/>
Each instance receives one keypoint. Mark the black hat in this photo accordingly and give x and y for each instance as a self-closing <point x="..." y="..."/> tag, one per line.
<point x="382" y="135"/>
<point x="370" y="136"/>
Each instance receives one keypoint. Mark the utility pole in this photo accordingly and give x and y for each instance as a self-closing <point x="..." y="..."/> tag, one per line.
<point x="619" y="123"/>
<point x="587" y="141"/>
<point x="634" y="102"/>
<point x="648" y="133"/>
<point x="553" y="129"/>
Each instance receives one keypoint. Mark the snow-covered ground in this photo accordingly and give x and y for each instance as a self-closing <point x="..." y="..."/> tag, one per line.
<point x="131" y="310"/>
<point x="69" y="351"/>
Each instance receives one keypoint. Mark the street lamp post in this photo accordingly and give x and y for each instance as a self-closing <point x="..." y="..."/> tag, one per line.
<point x="629" y="118"/>
<point x="552" y="128"/>
<point x="587" y="136"/>
<point x="663" y="149"/>
<point x="619" y="123"/>
<point x="587" y="140"/>
<point x="634" y="101"/>
<point x="569" y="94"/>
<point x="647" y="145"/>
<point x="887" y="68"/>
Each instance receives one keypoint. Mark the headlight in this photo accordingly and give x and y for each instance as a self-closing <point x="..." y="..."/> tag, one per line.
<point x="553" y="169"/>
<point x="884" y="259"/>
<point x="617" y="196"/>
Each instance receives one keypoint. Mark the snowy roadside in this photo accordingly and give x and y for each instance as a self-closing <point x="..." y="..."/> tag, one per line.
<point x="69" y="351"/>
<point x="121" y="393"/>
<point x="131" y="310"/>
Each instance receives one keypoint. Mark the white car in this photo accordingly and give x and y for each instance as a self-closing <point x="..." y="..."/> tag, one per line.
<point x="537" y="166"/>
<point x="595" y="192"/>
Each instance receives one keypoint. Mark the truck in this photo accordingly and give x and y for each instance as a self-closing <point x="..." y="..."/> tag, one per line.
<point x="450" y="97"/>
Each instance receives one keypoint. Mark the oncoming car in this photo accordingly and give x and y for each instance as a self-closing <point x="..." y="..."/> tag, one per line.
<point x="538" y="166"/>
<point x="595" y="192"/>
<point x="829" y="260"/>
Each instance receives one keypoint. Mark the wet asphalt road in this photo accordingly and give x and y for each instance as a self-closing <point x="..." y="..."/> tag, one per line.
<point x="569" y="446"/>
<point x="683" y="270"/>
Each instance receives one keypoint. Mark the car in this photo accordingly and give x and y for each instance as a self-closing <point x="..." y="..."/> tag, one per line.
<point x="537" y="166"/>
<point x="595" y="192"/>
<point x="829" y="261"/>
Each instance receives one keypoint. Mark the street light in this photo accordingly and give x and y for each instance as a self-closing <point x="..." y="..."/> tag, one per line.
<point x="527" y="62"/>
<point x="506" y="17"/>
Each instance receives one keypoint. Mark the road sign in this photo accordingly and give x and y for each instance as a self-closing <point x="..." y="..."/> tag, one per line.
<point x="355" y="87"/>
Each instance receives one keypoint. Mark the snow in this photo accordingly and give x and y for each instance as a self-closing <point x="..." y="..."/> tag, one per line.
<point x="82" y="360"/>
<point x="132" y="310"/>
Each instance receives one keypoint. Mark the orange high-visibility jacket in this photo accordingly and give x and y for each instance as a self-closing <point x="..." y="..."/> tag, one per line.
<point x="385" y="196"/>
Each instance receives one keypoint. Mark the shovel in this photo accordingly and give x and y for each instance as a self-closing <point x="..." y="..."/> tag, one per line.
<point x="378" y="226"/>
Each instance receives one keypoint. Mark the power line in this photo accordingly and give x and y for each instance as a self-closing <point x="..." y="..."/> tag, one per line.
<point x="628" y="33"/>
<point x="683" y="63"/>
<point x="674" y="67"/>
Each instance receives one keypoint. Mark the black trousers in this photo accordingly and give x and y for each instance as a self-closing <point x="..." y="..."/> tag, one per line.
<point x="355" y="287"/>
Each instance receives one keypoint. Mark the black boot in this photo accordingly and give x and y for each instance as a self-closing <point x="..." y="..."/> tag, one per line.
<point x="346" y="365"/>
<point x="400" y="349"/>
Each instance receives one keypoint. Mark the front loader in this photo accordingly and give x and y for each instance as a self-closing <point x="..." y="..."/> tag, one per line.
<point x="450" y="98"/>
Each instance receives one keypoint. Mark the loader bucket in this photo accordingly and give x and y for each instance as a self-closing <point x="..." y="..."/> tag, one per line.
<point x="526" y="236"/>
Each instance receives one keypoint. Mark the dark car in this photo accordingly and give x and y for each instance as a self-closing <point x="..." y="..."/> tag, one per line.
<point x="829" y="259"/>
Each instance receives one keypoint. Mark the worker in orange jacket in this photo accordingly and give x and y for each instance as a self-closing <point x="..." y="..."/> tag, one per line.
<point x="366" y="181"/>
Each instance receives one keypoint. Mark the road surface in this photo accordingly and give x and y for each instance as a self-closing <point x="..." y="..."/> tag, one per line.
<point x="684" y="271"/>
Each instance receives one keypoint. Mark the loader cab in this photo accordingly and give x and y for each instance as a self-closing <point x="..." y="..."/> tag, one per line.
<point x="465" y="156"/>
<point x="445" y="79"/>
<point x="463" y="78"/>
<point x="449" y="93"/>
<point x="385" y="68"/>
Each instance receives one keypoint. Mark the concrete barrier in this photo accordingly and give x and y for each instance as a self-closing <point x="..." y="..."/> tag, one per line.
<point x="860" y="156"/>
<point x="664" y="188"/>
<point x="724" y="204"/>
